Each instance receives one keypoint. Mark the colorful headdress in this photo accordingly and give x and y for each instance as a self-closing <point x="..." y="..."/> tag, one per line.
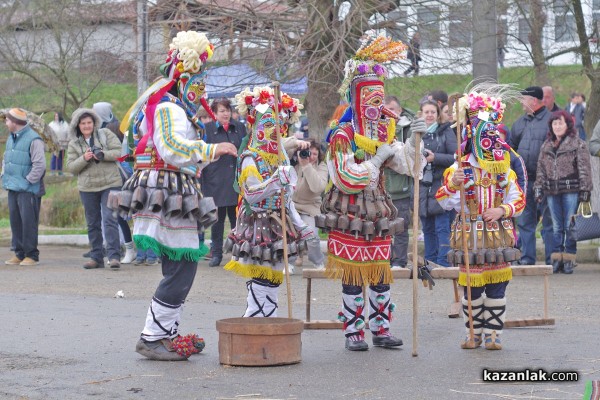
<point x="369" y="60"/>
<point x="184" y="66"/>
<point x="480" y="112"/>
<point x="373" y="123"/>
<point x="257" y="106"/>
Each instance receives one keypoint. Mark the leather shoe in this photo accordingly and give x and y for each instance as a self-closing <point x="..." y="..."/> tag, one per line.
<point x="386" y="341"/>
<point x="93" y="264"/>
<point x="356" y="345"/>
<point x="214" y="262"/>
<point x="159" y="350"/>
<point x="568" y="267"/>
<point x="556" y="266"/>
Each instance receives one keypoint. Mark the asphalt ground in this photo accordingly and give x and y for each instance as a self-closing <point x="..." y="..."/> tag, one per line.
<point x="66" y="336"/>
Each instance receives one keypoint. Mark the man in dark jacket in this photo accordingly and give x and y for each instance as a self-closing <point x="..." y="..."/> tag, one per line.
<point x="217" y="178"/>
<point x="526" y="138"/>
<point x="400" y="186"/>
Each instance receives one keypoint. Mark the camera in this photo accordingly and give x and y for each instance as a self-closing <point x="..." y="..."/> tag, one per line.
<point x="427" y="180"/>
<point x="98" y="153"/>
<point x="305" y="153"/>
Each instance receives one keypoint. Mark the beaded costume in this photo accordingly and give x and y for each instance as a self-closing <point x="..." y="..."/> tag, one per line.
<point x="357" y="211"/>
<point x="163" y="194"/>
<point x="489" y="183"/>
<point x="263" y="171"/>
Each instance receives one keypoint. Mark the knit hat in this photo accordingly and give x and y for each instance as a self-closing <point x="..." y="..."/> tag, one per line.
<point x="17" y="115"/>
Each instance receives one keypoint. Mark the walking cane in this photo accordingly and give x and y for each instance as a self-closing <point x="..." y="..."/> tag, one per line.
<point x="454" y="99"/>
<point x="415" y="251"/>
<point x="280" y="150"/>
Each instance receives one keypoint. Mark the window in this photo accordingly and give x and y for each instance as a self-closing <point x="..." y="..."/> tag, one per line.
<point x="565" y="29"/>
<point x="459" y="28"/>
<point x="428" y="21"/>
<point x="524" y="30"/>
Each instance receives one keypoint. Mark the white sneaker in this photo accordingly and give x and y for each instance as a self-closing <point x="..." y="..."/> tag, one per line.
<point x="320" y="266"/>
<point x="291" y="268"/>
<point x="397" y="268"/>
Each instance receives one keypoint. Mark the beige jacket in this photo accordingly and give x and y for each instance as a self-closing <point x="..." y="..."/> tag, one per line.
<point x="311" y="184"/>
<point x="92" y="176"/>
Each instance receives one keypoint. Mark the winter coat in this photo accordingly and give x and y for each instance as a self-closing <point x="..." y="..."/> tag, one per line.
<point x="565" y="169"/>
<point x="93" y="176"/>
<point x="400" y="186"/>
<point x="217" y="177"/>
<point x="526" y="138"/>
<point x="310" y="187"/>
<point x="62" y="132"/>
<point x="443" y="144"/>
<point x="595" y="141"/>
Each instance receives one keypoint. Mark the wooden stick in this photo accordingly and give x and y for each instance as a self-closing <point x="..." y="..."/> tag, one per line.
<point x="415" y="250"/>
<point x="463" y="224"/>
<point x="280" y="150"/>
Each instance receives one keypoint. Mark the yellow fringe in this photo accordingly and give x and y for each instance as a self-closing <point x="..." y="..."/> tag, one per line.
<point x="358" y="273"/>
<point x="486" y="277"/>
<point x="370" y="145"/>
<point x="496" y="167"/>
<point x="247" y="172"/>
<point x="254" y="271"/>
<point x="271" y="159"/>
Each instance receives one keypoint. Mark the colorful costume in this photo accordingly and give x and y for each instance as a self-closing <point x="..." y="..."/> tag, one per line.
<point x="263" y="171"/>
<point x="357" y="211"/>
<point x="164" y="192"/>
<point x="489" y="183"/>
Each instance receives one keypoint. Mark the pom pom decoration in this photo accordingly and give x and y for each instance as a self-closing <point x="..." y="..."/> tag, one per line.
<point x="341" y="317"/>
<point x="359" y="324"/>
<point x="359" y="301"/>
<point x="247" y="100"/>
<point x="188" y="345"/>
<point x="380" y="299"/>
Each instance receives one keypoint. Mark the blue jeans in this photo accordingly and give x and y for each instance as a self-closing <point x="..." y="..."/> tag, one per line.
<point x="527" y="223"/>
<point x="400" y="242"/>
<point x="436" y="230"/>
<point x="98" y="215"/>
<point x="147" y="255"/>
<point x="563" y="207"/>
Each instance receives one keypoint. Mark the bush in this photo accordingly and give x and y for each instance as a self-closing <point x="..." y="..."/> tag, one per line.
<point x="61" y="207"/>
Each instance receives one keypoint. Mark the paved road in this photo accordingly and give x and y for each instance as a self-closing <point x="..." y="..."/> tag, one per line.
<point x="65" y="336"/>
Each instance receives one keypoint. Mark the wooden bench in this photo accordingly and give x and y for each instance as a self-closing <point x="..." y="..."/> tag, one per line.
<point x="437" y="273"/>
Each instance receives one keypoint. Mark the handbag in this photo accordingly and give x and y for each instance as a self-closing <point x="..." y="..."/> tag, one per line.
<point x="585" y="224"/>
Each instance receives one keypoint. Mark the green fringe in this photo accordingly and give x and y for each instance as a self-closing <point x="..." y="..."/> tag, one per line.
<point x="146" y="242"/>
<point x="254" y="271"/>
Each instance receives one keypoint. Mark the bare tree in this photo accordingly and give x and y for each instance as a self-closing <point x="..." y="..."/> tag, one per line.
<point x="61" y="49"/>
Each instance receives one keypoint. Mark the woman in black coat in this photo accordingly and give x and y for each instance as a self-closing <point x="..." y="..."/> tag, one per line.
<point x="439" y="147"/>
<point x="217" y="178"/>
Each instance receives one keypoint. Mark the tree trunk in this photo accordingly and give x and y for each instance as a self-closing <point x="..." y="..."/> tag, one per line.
<point x="538" y="21"/>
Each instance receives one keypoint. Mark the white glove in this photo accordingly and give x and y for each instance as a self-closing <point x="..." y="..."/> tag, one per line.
<point x="287" y="175"/>
<point x="383" y="153"/>
<point x="417" y="126"/>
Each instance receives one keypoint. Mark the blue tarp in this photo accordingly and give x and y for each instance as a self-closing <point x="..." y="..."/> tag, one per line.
<point x="227" y="81"/>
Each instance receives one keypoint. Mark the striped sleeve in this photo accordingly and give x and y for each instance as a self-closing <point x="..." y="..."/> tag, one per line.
<point x="514" y="197"/>
<point x="346" y="174"/>
<point x="175" y="138"/>
<point x="448" y="195"/>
